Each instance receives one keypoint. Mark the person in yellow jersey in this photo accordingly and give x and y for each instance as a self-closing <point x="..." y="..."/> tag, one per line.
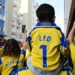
<point x="71" y="38"/>
<point x="12" y="58"/>
<point x="1" y="50"/>
<point x="46" y="42"/>
<point x="2" y="42"/>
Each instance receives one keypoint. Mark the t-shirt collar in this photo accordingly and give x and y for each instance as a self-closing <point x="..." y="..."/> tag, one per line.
<point x="46" y="24"/>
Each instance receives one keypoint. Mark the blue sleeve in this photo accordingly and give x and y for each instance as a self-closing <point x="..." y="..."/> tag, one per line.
<point x="28" y="40"/>
<point x="64" y="42"/>
<point x="0" y="61"/>
<point x="23" y="52"/>
<point x="22" y="69"/>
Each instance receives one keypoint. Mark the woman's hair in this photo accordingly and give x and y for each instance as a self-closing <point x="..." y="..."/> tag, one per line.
<point x="11" y="48"/>
<point x="2" y="41"/>
<point x="45" y="12"/>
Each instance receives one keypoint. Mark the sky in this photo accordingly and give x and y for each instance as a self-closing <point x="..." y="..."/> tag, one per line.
<point x="24" y="6"/>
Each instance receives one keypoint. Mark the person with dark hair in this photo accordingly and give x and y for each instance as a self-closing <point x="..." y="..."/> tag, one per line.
<point x="2" y="42"/>
<point x="44" y="11"/>
<point x="45" y="41"/>
<point x="71" y="39"/>
<point x="12" y="56"/>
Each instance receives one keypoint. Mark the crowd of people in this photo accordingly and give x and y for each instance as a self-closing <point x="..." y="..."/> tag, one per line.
<point x="46" y="51"/>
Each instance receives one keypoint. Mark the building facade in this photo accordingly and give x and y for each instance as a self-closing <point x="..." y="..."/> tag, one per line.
<point x="11" y="17"/>
<point x="69" y="15"/>
<point x="2" y="16"/>
<point x="67" y="10"/>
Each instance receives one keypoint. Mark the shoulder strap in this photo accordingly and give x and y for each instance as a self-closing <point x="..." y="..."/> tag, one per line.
<point x="67" y="64"/>
<point x="0" y="61"/>
<point x="29" y="42"/>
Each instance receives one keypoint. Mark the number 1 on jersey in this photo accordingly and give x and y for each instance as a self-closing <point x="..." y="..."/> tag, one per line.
<point x="44" y="49"/>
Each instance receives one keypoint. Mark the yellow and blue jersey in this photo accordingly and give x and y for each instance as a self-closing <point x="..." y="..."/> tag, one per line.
<point x="1" y="50"/>
<point x="72" y="50"/>
<point x="7" y="63"/>
<point x="44" y="41"/>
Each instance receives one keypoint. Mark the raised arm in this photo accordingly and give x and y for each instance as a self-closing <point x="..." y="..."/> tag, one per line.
<point x="71" y="34"/>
